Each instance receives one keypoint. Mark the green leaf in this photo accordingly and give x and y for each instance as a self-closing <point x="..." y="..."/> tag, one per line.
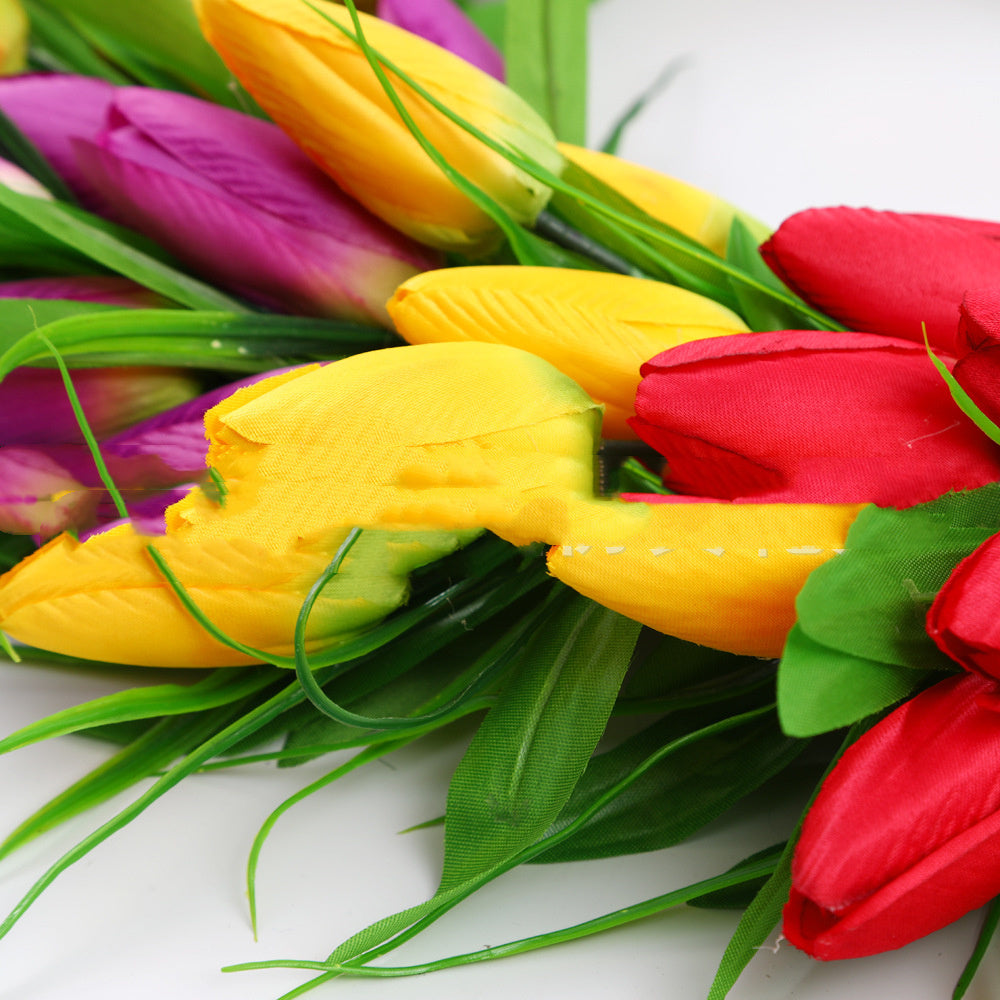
<point x="489" y="17"/>
<point x="13" y="548"/>
<point x="741" y="895"/>
<point x="821" y="689"/>
<point x="534" y="744"/>
<point x="218" y="688"/>
<point x="545" y="54"/>
<point x="57" y="46"/>
<point x="761" y="312"/>
<point x="166" y="36"/>
<point x="764" y="913"/>
<point x="872" y="600"/>
<point x="154" y="750"/>
<point x="90" y="335"/>
<point x="102" y="244"/>
<point x="665" y="804"/>
<point x="728" y="885"/>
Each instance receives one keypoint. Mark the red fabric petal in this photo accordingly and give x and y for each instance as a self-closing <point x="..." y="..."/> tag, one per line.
<point x="964" y="619"/>
<point x="904" y="836"/>
<point x="809" y="417"/>
<point x="884" y="271"/>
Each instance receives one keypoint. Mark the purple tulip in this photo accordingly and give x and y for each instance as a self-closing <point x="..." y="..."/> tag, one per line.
<point x="47" y="487"/>
<point x="229" y="195"/>
<point x="444" y="23"/>
<point x="53" y="111"/>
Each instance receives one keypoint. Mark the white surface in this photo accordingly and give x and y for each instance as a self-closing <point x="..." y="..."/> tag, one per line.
<point x="783" y="105"/>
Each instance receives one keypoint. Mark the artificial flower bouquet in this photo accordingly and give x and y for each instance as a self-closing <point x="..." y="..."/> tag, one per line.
<point x="330" y="374"/>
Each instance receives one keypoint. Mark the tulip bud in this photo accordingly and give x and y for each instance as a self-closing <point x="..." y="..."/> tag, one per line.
<point x="886" y="272"/>
<point x="904" y="836"/>
<point x="596" y="328"/>
<point x="978" y="366"/>
<point x="316" y="84"/>
<point x="228" y="194"/>
<point x="694" y="212"/>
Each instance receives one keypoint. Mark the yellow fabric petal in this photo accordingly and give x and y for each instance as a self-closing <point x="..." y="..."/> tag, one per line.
<point x="104" y="599"/>
<point x="722" y="575"/>
<point x="694" y="212"/>
<point x="404" y="440"/>
<point x="316" y="84"/>
<point x="596" y="328"/>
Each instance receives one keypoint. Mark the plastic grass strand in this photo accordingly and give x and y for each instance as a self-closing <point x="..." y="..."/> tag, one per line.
<point x="961" y="397"/>
<point x="358" y="760"/>
<point x="495" y="661"/>
<point x="616" y="918"/>
<point x="360" y="949"/>
<point x="85" y="429"/>
<point x="217" y="689"/>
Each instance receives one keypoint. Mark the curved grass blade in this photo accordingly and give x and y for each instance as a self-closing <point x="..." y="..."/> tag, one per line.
<point x="358" y="760"/>
<point x="746" y="872"/>
<point x="144" y="756"/>
<point x="384" y="935"/>
<point x="221" y="687"/>
<point x="493" y="662"/>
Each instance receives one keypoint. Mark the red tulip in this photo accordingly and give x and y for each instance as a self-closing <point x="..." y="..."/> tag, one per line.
<point x="883" y="271"/>
<point x="809" y="417"/>
<point x="904" y="836"/>
<point x="978" y="367"/>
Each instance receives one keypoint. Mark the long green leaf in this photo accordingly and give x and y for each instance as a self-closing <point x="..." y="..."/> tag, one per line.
<point x="166" y="34"/>
<point x="749" y="871"/>
<point x="545" y="54"/>
<point x="144" y="756"/>
<point x="533" y="746"/>
<point x="764" y="913"/>
<point x="89" y="336"/>
<point x="220" y="687"/>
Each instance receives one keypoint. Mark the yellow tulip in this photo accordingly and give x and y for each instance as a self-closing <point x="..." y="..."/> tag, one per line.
<point x="398" y="442"/>
<point x="422" y="447"/>
<point x="694" y="212"/>
<point x="13" y="37"/>
<point x="316" y="84"/>
<point x="596" y="328"/>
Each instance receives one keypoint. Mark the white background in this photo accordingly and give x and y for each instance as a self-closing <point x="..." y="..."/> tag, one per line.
<point x="782" y="105"/>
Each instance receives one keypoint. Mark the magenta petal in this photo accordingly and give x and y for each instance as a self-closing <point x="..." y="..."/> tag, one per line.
<point x="109" y="289"/>
<point x="54" y="109"/>
<point x="177" y="436"/>
<point x="444" y="23"/>
<point x="39" y="495"/>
